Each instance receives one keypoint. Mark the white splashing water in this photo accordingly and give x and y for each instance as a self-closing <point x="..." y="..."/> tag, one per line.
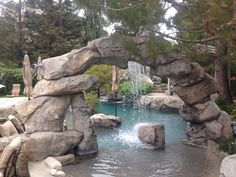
<point x="135" y="72"/>
<point x="130" y="138"/>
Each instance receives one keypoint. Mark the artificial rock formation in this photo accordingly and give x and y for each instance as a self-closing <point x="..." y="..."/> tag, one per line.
<point x="43" y="113"/>
<point x="105" y="121"/>
<point x="81" y="114"/>
<point x="66" y="85"/>
<point x="191" y="83"/>
<point x="152" y="134"/>
<point x="62" y="86"/>
<point x="43" y="118"/>
<point x="161" y="101"/>
<point x="37" y="146"/>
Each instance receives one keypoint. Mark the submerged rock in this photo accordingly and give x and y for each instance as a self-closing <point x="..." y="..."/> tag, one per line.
<point x="105" y="121"/>
<point x="152" y="134"/>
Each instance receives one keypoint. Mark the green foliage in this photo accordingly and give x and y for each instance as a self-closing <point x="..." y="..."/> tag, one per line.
<point x="10" y="76"/>
<point x="104" y="73"/>
<point x="54" y="31"/>
<point x="164" y="79"/>
<point x="228" y="145"/>
<point x="91" y="98"/>
<point x="227" y="107"/>
<point x="158" y="46"/>
<point x="127" y="89"/>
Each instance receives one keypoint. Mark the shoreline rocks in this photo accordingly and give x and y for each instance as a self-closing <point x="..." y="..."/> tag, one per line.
<point x="161" y="101"/>
<point x="105" y="121"/>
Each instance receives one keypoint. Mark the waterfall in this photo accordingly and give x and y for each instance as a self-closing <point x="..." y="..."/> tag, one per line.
<point x="135" y="75"/>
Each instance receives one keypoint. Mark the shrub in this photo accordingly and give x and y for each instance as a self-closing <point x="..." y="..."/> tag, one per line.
<point x="10" y="76"/>
<point x="228" y="145"/>
<point x="128" y="89"/>
<point x="91" y="98"/>
<point x="104" y="73"/>
<point x="230" y="108"/>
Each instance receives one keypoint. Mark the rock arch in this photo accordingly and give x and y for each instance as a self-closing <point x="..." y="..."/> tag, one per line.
<point x="191" y="83"/>
<point x="64" y="82"/>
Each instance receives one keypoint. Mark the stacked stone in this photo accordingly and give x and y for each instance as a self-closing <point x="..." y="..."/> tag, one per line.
<point x="191" y="83"/>
<point x="205" y="119"/>
<point x="43" y="117"/>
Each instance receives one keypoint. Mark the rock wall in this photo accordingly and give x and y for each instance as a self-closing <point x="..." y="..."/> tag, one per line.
<point x="43" y="118"/>
<point x="191" y="83"/>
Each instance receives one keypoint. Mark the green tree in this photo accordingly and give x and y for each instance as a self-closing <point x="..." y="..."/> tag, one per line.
<point x="209" y="22"/>
<point x="52" y="27"/>
<point x="11" y="31"/>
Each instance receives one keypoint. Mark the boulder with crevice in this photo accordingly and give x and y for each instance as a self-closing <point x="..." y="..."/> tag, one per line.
<point x="43" y="113"/>
<point x="196" y="75"/>
<point x="200" y="112"/>
<point x="198" y="92"/>
<point x="81" y="117"/>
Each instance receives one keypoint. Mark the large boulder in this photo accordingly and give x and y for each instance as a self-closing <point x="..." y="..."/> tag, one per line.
<point x="197" y="93"/>
<point x="43" y="113"/>
<point x="195" y="76"/>
<point x="200" y="112"/>
<point x="75" y="62"/>
<point x="228" y="166"/>
<point x="81" y="117"/>
<point x="105" y="121"/>
<point x="40" y="145"/>
<point x="176" y="68"/>
<point x="66" y="85"/>
<point x="152" y="134"/>
<point x="219" y="128"/>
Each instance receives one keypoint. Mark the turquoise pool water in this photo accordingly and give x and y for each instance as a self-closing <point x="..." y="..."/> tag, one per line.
<point x="121" y="154"/>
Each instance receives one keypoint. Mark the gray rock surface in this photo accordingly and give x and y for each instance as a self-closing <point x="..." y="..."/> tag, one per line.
<point x="196" y="75"/>
<point x="152" y="134"/>
<point x="40" y="145"/>
<point x="198" y="92"/>
<point x="161" y="101"/>
<point x="200" y="112"/>
<point x="176" y="68"/>
<point x="43" y="113"/>
<point x="81" y="114"/>
<point x="105" y="121"/>
<point x="195" y="134"/>
<point x="66" y="85"/>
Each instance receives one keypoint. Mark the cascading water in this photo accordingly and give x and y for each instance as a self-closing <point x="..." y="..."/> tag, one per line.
<point x="134" y="75"/>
